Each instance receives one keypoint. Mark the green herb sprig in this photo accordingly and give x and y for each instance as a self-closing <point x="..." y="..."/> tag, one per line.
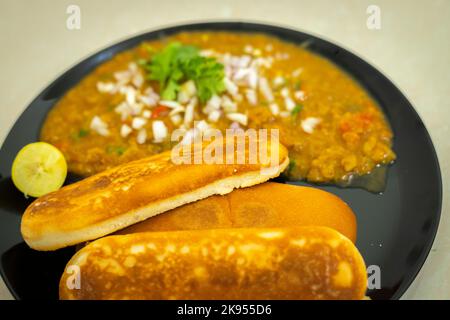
<point x="118" y="150"/>
<point x="178" y="63"/>
<point x="296" y="110"/>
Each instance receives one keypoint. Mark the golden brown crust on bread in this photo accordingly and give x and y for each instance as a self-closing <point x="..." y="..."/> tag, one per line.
<point x="210" y="213"/>
<point x="266" y="205"/>
<point x="245" y="263"/>
<point x="121" y="196"/>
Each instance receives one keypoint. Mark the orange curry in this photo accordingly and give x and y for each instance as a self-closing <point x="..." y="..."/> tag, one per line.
<point x="331" y="126"/>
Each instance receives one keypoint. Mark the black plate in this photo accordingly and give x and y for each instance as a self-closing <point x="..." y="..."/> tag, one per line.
<point x="395" y="229"/>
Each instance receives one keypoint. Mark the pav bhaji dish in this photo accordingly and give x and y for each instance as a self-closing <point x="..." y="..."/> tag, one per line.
<point x="146" y="227"/>
<point x="129" y="106"/>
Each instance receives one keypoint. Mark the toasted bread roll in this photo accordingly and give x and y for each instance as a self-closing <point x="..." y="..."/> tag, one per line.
<point x="265" y="205"/>
<point x="135" y="191"/>
<point x="245" y="263"/>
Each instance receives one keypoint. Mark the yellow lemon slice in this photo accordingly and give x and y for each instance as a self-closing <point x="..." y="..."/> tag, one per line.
<point x="39" y="168"/>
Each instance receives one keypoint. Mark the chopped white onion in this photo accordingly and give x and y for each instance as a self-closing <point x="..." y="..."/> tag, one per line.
<point x="214" y="116"/>
<point x="214" y="102"/>
<point x="125" y="130"/>
<point x="170" y="104"/>
<point x="228" y="105"/>
<point x="297" y="72"/>
<point x="274" y="108"/>
<point x="289" y="104"/>
<point x="123" y="110"/>
<point x="106" y="87"/>
<point x="130" y="95"/>
<point x="284" y="92"/>
<point x="231" y="87"/>
<point x="244" y="61"/>
<point x="253" y="78"/>
<point x="177" y="110"/>
<point x="141" y="136"/>
<point x="278" y="81"/>
<point x="241" y="74"/>
<point x="136" y="108"/>
<point x="187" y="91"/>
<point x="159" y="131"/>
<point x="251" y="96"/>
<point x="176" y="119"/>
<point x="265" y="62"/>
<point x="122" y="77"/>
<point x="299" y="95"/>
<point x="202" y="125"/>
<point x="238" y="117"/>
<point x="99" y="126"/>
<point x="189" y="113"/>
<point x="138" y="80"/>
<point x="133" y="67"/>
<point x="308" y="125"/>
<point x="147" y="114"/>
<point x="265" y="89"/>
<point x="149" y="98"/>
<point x="238" y="98"/>
<point x="248" y="49"/>
<point x="138" y="123"/>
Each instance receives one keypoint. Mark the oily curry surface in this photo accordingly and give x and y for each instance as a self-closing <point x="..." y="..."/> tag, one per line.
<point x="331" y="126"/>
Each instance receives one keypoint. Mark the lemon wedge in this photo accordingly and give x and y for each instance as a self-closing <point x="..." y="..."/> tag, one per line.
<point x="39" y="168"/>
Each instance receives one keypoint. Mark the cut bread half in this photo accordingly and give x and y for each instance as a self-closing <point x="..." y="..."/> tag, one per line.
<point x="133" y="192"/>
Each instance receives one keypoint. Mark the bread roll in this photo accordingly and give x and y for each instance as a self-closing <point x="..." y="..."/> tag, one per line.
<point x="245" y="263"/>
<point x="265" y="205"/>
<point x="135" y="191"/>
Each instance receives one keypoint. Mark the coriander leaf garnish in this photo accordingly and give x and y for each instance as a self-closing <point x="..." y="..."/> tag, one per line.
<point x="80" y="134"/>
<point x="291" y="166"/>
<point x="178" y="63"/>
<point x="208" y="76"/>
<point x="296" y="110"/>
<point x="83" y="133"/>
<point x="119" y="150"/>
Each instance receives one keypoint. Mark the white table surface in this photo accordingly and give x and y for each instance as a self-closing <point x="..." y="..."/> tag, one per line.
<point x="412" y="48"/>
